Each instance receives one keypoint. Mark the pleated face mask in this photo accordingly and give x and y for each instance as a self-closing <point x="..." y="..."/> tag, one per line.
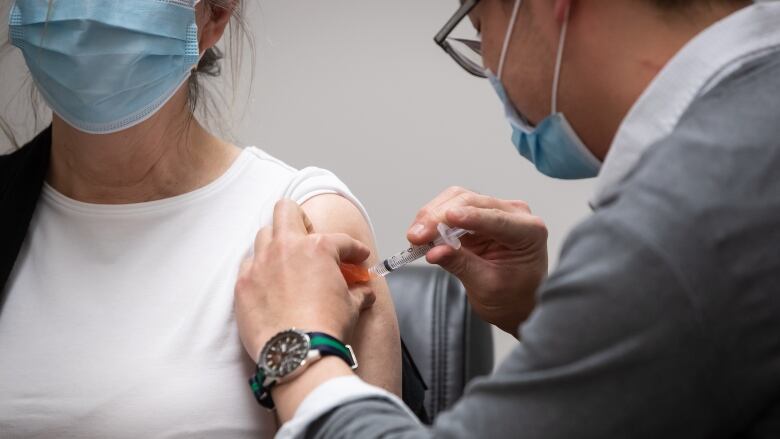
<point x="552" y="146"/>
<point x="106" y="65"/>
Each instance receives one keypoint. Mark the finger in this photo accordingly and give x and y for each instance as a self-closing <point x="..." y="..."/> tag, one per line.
<point x="307" y="222"/>
<point x="424" y="227"/>
<point x="519" y="206"/>
<point x="462" y="263"/>
<point x="346" y="248"/>
<point x="262" y="239"/>
<point x="288" y="219"/>
<point x="505" y="227"/>
<point x="245" y="267"/>
<point x="363" y="297"/>
<point x="485" y="202"/>
<point x="461" y="199"/>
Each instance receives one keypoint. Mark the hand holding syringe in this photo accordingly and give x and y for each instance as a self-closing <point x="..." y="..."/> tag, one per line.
<point x="447" y="236"/>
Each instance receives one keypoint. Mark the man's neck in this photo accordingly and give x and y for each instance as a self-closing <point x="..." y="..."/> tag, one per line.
<point x="610" y="66"/>
<point x="167" y="155"/>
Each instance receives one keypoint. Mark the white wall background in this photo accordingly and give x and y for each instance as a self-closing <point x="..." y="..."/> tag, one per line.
<point x="359" y="87"/>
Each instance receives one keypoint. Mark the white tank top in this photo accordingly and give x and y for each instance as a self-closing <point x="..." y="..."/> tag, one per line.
<point x="118" y="320"/>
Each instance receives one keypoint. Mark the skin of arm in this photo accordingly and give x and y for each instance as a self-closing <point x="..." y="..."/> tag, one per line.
<point x="376" y="338"/>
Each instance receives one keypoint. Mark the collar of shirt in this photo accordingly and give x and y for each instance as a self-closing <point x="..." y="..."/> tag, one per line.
<point x="700" y="65"/>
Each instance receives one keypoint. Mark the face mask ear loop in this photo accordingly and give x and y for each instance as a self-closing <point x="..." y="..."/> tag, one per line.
<point x="558" y="62"/>
<point x="508" y="37"/>
<point x="200" y="54"/>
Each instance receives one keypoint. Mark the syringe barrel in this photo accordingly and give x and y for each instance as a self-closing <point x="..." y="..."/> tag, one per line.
<point x="400" y="259"/>
<point x="447" y="236"/>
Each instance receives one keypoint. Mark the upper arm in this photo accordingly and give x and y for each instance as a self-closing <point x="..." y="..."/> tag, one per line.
<point x="376" y="339"/>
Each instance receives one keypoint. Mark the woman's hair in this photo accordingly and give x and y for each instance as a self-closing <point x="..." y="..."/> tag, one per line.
<point x="200" y="100"/>
<point x="210" y="64"/>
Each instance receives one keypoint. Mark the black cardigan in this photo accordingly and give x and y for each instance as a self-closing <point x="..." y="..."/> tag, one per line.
<point x="21" y="179"/>
<point x="22" y="174"/>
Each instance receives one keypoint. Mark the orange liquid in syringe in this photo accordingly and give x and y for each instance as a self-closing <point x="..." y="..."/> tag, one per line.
<point x="354" y="274"/>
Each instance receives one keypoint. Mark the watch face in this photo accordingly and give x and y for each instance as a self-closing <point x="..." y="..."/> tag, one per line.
<point x="285" y="352"/>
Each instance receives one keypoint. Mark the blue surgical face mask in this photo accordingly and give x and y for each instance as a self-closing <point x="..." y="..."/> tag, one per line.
<point x="106" y="65"/>
<point x="552" y="146"/>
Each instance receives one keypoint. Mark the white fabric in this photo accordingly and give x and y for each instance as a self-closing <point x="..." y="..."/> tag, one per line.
<point x="700" y="65"/>
<point x="119" y="318"/>
<point x="330" y="394"/>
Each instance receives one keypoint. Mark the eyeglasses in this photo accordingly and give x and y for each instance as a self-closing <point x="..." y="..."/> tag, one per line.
<point x="466" y="52"/>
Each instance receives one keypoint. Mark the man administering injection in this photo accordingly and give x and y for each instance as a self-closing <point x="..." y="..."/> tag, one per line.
<point x="661" y="318"/>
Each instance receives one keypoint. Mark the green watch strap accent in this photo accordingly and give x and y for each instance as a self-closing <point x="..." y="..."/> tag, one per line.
<point x="257" y="383"/>
<point x="319" y="340"/>
<point x="262" y="394"/>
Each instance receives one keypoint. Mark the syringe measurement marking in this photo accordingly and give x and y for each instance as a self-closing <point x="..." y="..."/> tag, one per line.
<point x="447" y="235"/>
<point x="408" y="255"/>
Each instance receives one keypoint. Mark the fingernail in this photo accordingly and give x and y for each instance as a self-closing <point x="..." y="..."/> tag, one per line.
<point x="458" y="213"/>
<point x="417" y="229"/>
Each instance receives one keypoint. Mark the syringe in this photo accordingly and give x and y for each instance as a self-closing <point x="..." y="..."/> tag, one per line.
<point x="447" y="235"/>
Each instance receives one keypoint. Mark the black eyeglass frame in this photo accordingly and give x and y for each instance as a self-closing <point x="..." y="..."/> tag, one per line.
<point x="444" y="33"/>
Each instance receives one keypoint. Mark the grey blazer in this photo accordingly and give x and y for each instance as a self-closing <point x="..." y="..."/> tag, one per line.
<point x="662" y="319"/>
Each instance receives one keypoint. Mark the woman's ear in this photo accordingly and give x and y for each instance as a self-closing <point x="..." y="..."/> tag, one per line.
<point x="212" y="21"/>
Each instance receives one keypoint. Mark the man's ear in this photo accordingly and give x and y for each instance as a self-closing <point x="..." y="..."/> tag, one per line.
<point x="561" y="8"/>
<point x="217" y="19"/>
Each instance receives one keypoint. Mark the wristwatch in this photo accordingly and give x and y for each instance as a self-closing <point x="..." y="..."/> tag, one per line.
<point x="287" y="354"/>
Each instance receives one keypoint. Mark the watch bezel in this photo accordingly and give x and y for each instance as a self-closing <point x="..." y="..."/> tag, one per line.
<point x="274" y="373"/>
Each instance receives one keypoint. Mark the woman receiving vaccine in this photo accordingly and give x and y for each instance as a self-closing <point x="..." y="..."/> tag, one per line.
<point x="117" y="313"/>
